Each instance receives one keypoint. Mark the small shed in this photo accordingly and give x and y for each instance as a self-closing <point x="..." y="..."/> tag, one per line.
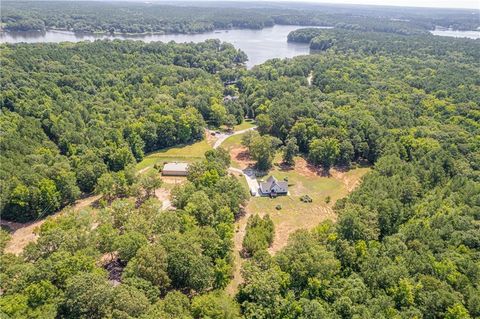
<point x="175" y="169"/>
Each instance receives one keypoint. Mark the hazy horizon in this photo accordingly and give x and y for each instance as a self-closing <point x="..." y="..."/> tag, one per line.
<point x="445" y="4"/>
<point x="440" y="4"/>
<point x="460" y="4"/>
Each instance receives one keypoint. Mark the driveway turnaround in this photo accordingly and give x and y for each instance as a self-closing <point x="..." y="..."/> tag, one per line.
<point x="252" y="182"/>
<point x="249" y="173"/>
<point x="223" y="136"/>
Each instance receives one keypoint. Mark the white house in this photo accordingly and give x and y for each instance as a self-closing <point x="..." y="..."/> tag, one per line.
<point x="273" y="187"/>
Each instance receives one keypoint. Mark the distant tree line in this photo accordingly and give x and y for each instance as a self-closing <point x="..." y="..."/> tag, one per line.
<point x="127" y="17"/>
<point x="151" y="17"/>
<point x="384" y="43"/>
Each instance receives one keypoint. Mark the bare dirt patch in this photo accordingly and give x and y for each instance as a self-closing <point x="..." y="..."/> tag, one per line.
<point x="349" y="179"/>
<point x="242" y="157"/>
<point x="164" y="196"/>
<point x="303" y="168"/>
<point x="23" y="234"/>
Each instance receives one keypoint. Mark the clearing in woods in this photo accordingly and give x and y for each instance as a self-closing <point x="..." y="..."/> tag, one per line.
<point x="22" y="234"/>
<point x="186" y="153"/>
<point x="303" y="179"/>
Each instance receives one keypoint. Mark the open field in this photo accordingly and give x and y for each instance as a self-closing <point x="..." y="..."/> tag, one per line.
<point x="304" y="180"/>
<point x="186" y="153"/>
<point x="244" y="125"/>
<point x="232" y="142"/>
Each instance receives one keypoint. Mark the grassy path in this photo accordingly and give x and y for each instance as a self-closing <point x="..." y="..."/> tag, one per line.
<point x="240" y="227"/>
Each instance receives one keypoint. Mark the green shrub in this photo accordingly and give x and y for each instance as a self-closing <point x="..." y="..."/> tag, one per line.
<point x="259" y="234"/>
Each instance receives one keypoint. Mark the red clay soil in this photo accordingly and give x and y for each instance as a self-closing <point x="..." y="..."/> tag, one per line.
<point x="303" y="168"/>
<point x="242" y="157"/>
<point x="22" y="234"/>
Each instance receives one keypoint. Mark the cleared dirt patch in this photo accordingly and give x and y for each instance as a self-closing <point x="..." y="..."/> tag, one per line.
<point x="241" y="157"/>
<point x="23" y="234"/>
<point x="303" y="168"/>
<point x="350" y="178"/>
<point x="164" y="196"/>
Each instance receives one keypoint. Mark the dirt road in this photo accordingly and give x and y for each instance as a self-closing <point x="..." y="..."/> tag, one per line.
<point x="223" y="136"/>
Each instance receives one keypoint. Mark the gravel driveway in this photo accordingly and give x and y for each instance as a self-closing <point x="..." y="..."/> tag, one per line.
<point x="248" y="173"/>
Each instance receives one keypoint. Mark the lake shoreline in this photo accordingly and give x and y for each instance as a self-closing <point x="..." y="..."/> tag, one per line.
<point x="133" y="34"/>
<point x="448" y="32"/>
<point x="259" y="45"/>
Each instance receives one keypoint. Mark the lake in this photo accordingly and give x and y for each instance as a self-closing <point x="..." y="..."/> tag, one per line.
<point x="259" y="45"/>
<point x="457" y="34"/>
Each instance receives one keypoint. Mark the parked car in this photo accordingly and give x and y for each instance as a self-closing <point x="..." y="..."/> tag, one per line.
<point x="253" y="192"/>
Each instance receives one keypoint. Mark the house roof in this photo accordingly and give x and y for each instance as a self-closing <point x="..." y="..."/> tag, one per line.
<point x="181" y="167"/>
<point x="268" y="186"/>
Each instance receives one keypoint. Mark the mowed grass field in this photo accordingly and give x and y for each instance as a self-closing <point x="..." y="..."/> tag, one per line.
<point x="232" y="141"/>
<point x="190" y="152"/>
<point x="184" y="153"/>
<point x="244" y="125"/>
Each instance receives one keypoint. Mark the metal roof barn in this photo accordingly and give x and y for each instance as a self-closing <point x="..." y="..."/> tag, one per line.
<point x="175" y="169"/>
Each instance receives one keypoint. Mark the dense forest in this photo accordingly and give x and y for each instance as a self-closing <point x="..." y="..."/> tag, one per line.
<point x="88" y="16"/>
<point x="71" y="113"/>
<point x="162" y="257"/>
<point x="406" y="242"/>
<point x="126" y="17"/>
<point x="386" y="43"/>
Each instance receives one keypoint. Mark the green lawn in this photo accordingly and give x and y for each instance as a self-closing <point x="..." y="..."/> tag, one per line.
<point x="186" y="153"/>
<point x="318" y="188"/>
<point x="232" y="141"/>
<point x="244" y="125"/>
